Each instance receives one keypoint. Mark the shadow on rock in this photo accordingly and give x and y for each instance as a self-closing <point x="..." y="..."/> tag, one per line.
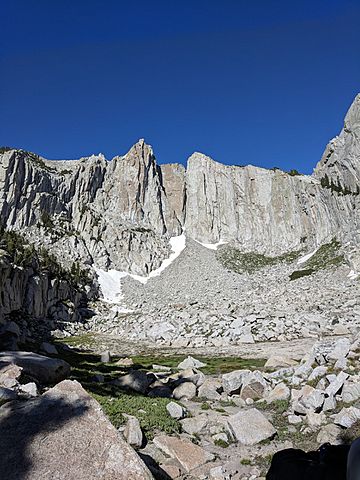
<point x="25" y="426"/>
<point x="157" y="472"/>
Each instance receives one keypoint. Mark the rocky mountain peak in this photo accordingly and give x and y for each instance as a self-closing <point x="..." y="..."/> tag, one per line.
<point x="352" y="118"/>
<point x="121" y="214"/>
<point x="339" y="167"/>
<point x="140" y="151"/>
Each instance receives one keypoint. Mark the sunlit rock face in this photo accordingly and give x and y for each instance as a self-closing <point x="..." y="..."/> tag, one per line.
<point x="271" y="211"/>
<point x="121" y="213"/>
<point x="117" y="214"/>
<point x="340" y="163"/>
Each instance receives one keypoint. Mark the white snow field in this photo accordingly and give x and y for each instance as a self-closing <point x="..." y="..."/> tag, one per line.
<point x="212" y="246"/>
<point x="353" y="275"/>
<point x="110" y="281"/>
<point x="110" y="284"/>
<point x="305" y="258"/>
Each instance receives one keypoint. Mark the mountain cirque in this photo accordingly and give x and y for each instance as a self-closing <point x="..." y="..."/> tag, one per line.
<point x="264" y="248"/>
<point x="121" y="214"/>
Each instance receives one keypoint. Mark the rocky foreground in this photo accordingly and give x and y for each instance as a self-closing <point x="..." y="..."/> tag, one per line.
<point x="213" y="426"/>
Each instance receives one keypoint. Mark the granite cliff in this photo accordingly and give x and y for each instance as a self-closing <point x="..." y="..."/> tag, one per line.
<point x="121" y="214"/>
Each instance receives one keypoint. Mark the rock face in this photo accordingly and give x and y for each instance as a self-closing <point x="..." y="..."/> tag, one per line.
<point x="121" y="214"/>
<point x="232" y="204"/>
<point x="38" y="294"/>
<point x="340" y="161"/>
<point x="64" y="432"/>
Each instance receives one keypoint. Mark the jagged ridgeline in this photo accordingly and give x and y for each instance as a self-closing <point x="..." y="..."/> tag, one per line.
<point x="120" y="214"/>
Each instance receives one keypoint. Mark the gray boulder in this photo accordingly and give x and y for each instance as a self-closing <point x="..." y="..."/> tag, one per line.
<point x="190" y="362"/>
<point x="186" y="390"/>
<point x="9" y="375"/>
<point x="336" y="385"/>
<point x="135" y="380"/>
<point x="188" y="455"/>
<point x="175" y="410"/>
<point x="105" y="357"/>
<point x="210" y="389"/>
<point x="280" y="392"/>
<point x="64" y="434"/>
<point x="351" y="392"/>
<point x="194" y="425"/>
<point x="254" y="386"/>
<point x="280" y="361"/>
<point x="340" y="349"/>
<point x="330" y="433"/>
<point x="347" y="417"/>
<point x="7" y="395"/>
<point x="30" y="389"/>
<point x="250" y="427"/>
<point x="309" y="399"/>
<point x="46" y="370"/>
<point x="48" y="348"/>
<point x="132" y="432"/>
<point x="233" y="381"/>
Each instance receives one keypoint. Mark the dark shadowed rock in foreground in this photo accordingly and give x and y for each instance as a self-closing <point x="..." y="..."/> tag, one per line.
<point x="44" y="369"/>
<point x="64" y="435"/>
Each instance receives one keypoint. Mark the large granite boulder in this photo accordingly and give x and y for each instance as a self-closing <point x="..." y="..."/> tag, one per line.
<point x="189" y="456"/>
<point x="233" y="381"/>
<point x="44" y="369"/>
<point x="250" y="427"/>
<point x="190" y="362"/>
<point x="64" y="435"/>
<point x="136" y="380"/>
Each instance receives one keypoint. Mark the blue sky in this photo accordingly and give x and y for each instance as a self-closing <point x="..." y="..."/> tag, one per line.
<point x="264" y="82"/>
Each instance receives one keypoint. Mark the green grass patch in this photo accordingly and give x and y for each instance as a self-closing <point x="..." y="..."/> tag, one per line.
<point x="278" y="407"/>
<point x="214" y="365"/>
<point x="301" y="273"/>
<point x="151" y="412"/>
<point x="327" y="256"/>
<point x="85" y="341"/>
<point x="232" y="259"/>
<point x="221" y="443"/>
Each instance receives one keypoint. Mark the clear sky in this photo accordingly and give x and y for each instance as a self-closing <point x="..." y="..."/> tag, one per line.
<point x="265" y="82"/>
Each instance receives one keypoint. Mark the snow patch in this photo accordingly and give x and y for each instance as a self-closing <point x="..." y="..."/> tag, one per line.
<point x="177" y="246"/>
<point x="110" y="281"/>
<point x="353" y="275"/>
<point x="110" y="284"/>
<point x="212" y="246"/>
<point x="305" y="258"/>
